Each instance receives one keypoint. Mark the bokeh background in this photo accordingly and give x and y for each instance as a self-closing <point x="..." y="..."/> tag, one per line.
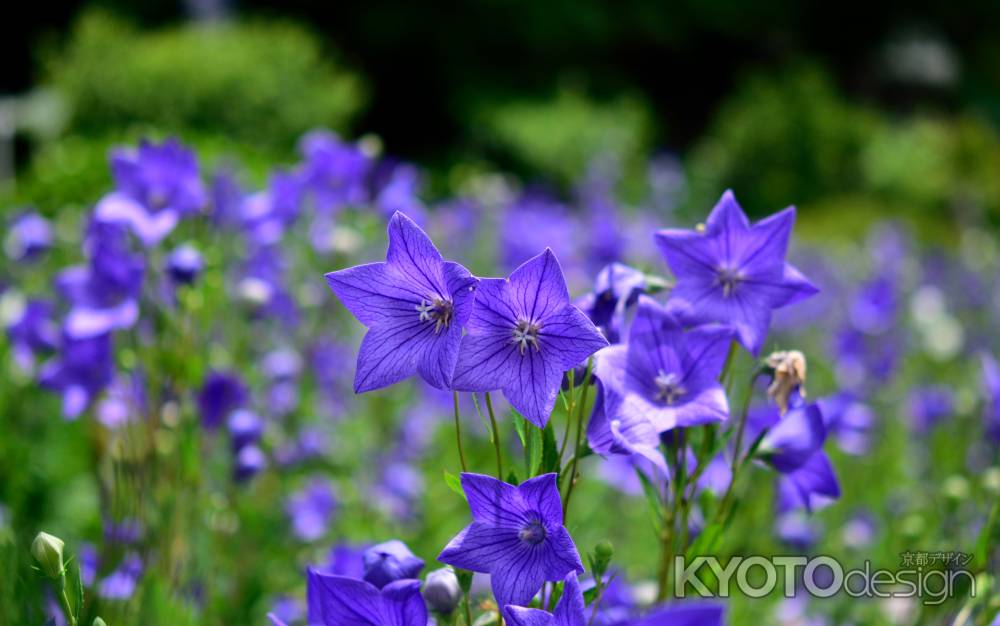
<point x="880" y="121"/>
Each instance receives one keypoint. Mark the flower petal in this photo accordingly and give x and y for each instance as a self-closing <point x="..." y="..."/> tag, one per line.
<point x="374" y="293"/>
<point x="403" y="605"/>
<point x="568" y="337"/>
<point x="542" y="495"/>
<point x="538" y="286"/>
<point x="481" y="548"/>
<point x="520" y="616"/>
<point x="347" y="602"/>
<point x="389" y="353"/>
<point x="493" y="501"/>
<point x="534" y="385"/>
<point x="569" y="611"/>
<point x="413" y="254"/>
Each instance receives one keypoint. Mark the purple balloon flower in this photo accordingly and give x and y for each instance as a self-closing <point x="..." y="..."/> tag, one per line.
<point x="184" y="264"/>
<point x="30" y="235"/>
<point x="311" y="508"/>
<point x="734" y="272"/>
<point x="81" y="370"/>
<point x="517" y="536"/>
<point x="665" y="375"/>
<point x="616" y="288"/>
<point x="221" y="393"/>
<point x="157" y="185"/>
<point x="689" y="614"/>
<point x="334" y="172"/>
<point x="390" y="561"/>
<point x="569" y="610"/>
<point x="31" y="331"/>
<point x="523" y="335"/>
<point x="414" y="305"/>
<point x="342" y="601"/>
<point x="793" y="439"/>
<point x="811" y="486"/>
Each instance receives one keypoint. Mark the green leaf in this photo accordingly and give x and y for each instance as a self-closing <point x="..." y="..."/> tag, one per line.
<point x="533" y="449"/>
<point x="453" y="483"/>
<point x="520" y="426"/>
<point x="550" y="449"/>
<point x="512" y="478"/>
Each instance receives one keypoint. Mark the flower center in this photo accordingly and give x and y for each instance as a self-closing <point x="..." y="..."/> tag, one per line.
<point x="525" y="333"/>
<point x="668" y="387"/>
<point x="437" y="310"/>
<point x="728" y="278"/>
<point x="533" y="533"/>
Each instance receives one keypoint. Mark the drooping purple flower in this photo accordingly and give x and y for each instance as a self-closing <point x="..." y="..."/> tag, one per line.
<point x="390" y="561"/>
<point x="311" y="509"/>
<point x="343" y="601"/>
<point x="684" y="614"/>
<point x="156" y="186"/>
<point x="414" y="305"/>
<point x="523" y="335"/>
<point x="616" y="288"/>
<point x="516" y="535"/>
<point x="811" y="486"/>
<point x="32" y="331"/>
<point x="792" y="439"/>
<point x="184" y="264"/>
<point x="124" y="401"/>
<point x="624" y="433"/>
<point x="569" y="610"/>
<point x="991" y="393"/>
<point x="220" y="394"/>
<point x="929" y="405"/>
<point x="29" y="236"/>
<point x="81" y="370"/>
<point x="665" y="375"/>
<point x="400" y="192"/>
<point x="734" y="272"/>
<point x="104" y="293"/>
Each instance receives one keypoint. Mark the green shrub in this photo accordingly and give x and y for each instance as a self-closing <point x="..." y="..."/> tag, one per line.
<point x="260" y="84"/>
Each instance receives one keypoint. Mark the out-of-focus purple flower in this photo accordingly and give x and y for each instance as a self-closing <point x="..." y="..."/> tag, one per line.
<point x="220" y="394"/>
<point x="334" y="173"/>
<point x="849" y="421"/>
<point x="859" y="531"/>
<point x="86" y="556"/>
<point x="245" y="427"/>
<point x="80" y="371"/>
<point x="261" y="284"/>
<point x="684" y="614"/>
<point x="616" y="288"/>
<point x="121" y="583"/>
<point x="865" y="361"/>
<point x="535" y="222"/>
<point x="310" y="443"/>
<point x="266" y="215"/>
<point x="345" y="601"/>
<point x="734" y="272"/>
<point x="184" y="264"/>
<point x="286" y="610"/>
<point x="124" y="401"/>
<point x="812" y="486"/>
<point x="414" y="305"/>
<point x="156" y="186"/>
<point x="618" y="603"/>
<point x="127" y="531"/>
<point x="347" y="560"/>
<point x="991" y="393"/>
<point x="227" y="199"/>
<point x="516" y="535"/>
<point x="522" y="337"/>
<point x="390" y="561"/>
<point x="797" y="530"/>
<point x="29" y="236"/>
<point x="398" y="490"/>
<point x="32" y="331"/>
<point x="103" y="294"/>
<point x="400" y="192"/>
<point x="929" y="405"/>
<point x="569" y="610"/>
<point x="595" y="194"/>
<point x="311" y="509"/>
<point x="455" y="222"/>
<point x="875" y="307"/>
<point x="250" y="461"/>
<point x="664" y="375"/>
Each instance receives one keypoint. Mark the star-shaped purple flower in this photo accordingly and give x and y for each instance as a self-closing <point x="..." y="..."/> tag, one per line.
<point x="516" y="535"/>
<point x="157" y="185"/>
<point x="734" y="272"/>
<point x="522" y="337"/>
<point x="665" y="376"/>
<point x="414" y="305"/>
<point x="569" y="610"/>
<point x="342" y="601"/>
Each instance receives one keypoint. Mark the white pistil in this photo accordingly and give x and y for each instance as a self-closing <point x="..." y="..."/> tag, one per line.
<point x="668" y="386"/>
<point x="526" y="332"/>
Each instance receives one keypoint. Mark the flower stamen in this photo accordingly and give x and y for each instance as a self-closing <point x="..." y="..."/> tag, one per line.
<point x="437" y="310"/>
<point x="526" y="332"/>
<point x="668" y="386"/>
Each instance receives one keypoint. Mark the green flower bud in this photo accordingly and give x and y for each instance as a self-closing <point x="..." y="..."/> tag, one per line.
<point x="48" y="552"/>
<point x="601" y="557"/>
<point x="99" y="622"/>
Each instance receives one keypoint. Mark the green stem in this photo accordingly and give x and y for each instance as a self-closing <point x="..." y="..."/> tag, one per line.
<point x="67" y="607"/>
<point x="496" y="436"/>
<point x="579" y="436"/>
<point x="737" y="464"/>
<point x="458" y="435"/>
<point x="468" y="610"/>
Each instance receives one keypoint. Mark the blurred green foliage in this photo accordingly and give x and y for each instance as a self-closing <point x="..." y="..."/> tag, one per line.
<point x="262" y="84"/>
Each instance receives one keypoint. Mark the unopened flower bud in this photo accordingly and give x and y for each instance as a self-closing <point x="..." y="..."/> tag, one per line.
<point x="789" y="367"/>
<point x="390" y="561"/>
<point x="601" y="557"/>
<point x="48" y="552"/>
<point x="442" y="591"/>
